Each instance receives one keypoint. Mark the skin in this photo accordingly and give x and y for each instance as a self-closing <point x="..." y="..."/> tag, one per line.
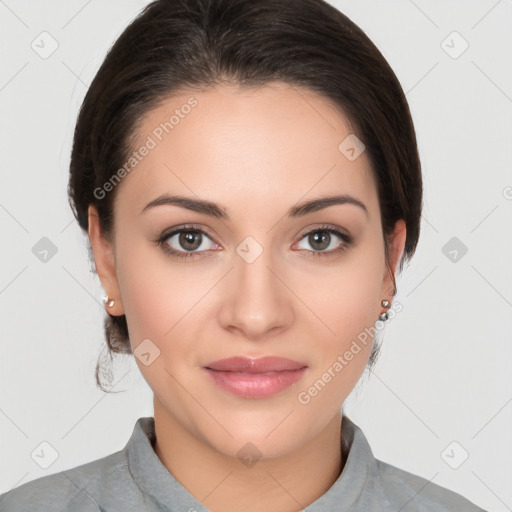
<point x="256" y="152"/>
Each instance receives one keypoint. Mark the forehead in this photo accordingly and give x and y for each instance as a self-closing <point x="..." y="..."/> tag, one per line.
<point x="265" y="147"/>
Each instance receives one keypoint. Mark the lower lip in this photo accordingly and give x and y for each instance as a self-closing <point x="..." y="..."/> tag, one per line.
<point x="255" y="385"/>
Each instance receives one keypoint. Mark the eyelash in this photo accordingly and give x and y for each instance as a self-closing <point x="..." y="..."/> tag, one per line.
<point x="347" y="241"/>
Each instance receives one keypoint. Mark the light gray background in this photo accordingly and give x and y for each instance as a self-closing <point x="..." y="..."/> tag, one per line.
<point x="444" y="374"/>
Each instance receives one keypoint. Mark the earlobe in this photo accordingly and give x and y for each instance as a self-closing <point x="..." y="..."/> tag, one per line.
<point x="104" y="260"/>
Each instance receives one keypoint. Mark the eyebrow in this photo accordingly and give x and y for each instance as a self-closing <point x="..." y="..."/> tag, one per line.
<point x="214" y="210"/>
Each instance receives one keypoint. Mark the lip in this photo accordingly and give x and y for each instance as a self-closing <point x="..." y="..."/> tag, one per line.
<point x="250" y="365"/>
<point x="255" y="378"/>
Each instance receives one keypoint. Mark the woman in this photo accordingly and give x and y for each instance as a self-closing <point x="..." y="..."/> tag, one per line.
<point x="248" y="177"/>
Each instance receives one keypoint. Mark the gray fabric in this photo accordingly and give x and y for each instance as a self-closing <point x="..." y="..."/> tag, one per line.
<point x="134" y="479"/>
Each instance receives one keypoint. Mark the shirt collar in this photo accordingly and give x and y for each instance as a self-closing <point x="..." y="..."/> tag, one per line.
<point x="357" y="481"/>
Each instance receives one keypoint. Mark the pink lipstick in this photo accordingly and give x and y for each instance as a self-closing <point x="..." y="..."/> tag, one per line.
<point x="255" y="378"/>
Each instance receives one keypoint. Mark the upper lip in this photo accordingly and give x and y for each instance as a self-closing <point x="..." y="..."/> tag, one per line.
<point x="250" y="365"/>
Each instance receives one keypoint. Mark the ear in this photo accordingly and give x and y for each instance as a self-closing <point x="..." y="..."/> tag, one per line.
<point x="104" y="259"/>
<point x="396" y="244"/>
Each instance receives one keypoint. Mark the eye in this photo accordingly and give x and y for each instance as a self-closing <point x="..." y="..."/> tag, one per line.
<point x="323" y="241"/>
<point x="185" y="242"/>
<point x="191" y="241"/>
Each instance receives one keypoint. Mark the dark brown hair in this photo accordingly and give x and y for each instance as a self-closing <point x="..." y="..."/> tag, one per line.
<point x="178" y="45"/>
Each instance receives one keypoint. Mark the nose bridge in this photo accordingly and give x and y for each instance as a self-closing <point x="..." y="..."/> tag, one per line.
<point x="253" y="265"/>
<point x="256" y="299"/>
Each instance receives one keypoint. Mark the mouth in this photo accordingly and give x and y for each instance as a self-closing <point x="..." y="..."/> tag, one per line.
<point x="255" y="378"/>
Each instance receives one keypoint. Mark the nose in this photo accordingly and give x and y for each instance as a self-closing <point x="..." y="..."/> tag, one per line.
<point x="255" y="300"/>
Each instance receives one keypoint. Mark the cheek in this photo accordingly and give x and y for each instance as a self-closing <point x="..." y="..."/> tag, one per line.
<point x="346" y="307"/>
<point x="347" y="298"/>
<point x="149" y="307"/>
<point x="160" y="297"/>
<point x="346" y="303"/>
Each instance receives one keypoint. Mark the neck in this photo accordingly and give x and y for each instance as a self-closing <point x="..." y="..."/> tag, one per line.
<point x="223" y="484"/>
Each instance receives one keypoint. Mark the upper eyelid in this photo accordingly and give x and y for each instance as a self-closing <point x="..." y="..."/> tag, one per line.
<point x="324" y="227"/>
<point x="173" y="231"/>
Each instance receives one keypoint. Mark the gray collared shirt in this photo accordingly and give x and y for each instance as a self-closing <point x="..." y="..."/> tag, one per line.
<point x="134" y="479"/>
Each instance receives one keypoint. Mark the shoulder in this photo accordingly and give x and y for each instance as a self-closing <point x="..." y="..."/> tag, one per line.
<point x="387" y="488"/>
<point x="77" y="489"/>
<point x="415" y="493"/>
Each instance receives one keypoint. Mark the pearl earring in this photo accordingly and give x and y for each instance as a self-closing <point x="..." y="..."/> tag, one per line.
<point x="384" y="316"/>
<point x="108" y="301"/>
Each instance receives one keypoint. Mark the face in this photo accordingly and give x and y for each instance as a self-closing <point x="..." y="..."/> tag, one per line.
<point x="262" y="278"/>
